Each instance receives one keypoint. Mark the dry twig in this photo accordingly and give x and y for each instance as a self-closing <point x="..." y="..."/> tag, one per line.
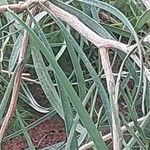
<point x="94" y="38"/>
<point x="117" y="134"/>
<point x="20" y="7"/>
<point x="109" y="136"/>
<point x="146" y="3"/>
<point x="71" y="20"/>
<point x="16" y="87"/>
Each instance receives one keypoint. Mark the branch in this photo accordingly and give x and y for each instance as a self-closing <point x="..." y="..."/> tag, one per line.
<point x="146" y="3"/>
<point x="83" y="29"/>
<point x="94" y="38"/>
<point x="10" y="73"/>
<point x="20" y="7"/>
<point x="117" y="134"/>
<point x="16" y="87"/>
<point x="71" y="20"/>
<point x="109" y="136"/>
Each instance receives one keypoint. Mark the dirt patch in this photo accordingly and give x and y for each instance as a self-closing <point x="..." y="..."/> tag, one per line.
<point x="47" y="133"/>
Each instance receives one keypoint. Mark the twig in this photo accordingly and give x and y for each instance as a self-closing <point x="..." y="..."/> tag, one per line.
<point x="109" y="136"/>
<point x="146" y="3"/>
<point x="7" y="72"/>
<point x="20" y="7"/>
<point x="16" y="87"/>
<point x="71" y="20"/>
<point x="117" y="135"/>
<point x="92" y="36"/>
<point x="83" y="29"/>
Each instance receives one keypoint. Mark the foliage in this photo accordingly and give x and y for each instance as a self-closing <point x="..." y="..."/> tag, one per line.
<point x="69" y="72"/>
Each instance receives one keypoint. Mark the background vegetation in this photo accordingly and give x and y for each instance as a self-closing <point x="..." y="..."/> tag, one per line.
<point x="64" y="73"/>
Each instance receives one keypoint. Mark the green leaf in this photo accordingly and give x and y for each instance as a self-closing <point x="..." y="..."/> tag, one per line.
<point x="88" y="65"/>
<point x="78" y="70"/>
<point x="32" y="125"/>
<point x="46" y="82"/>
<point x="76" y="120"/>
<point x="67" y="86"/>
<point x="138" y="140"/>
<point x="7" y="94"/>
<point x="28" y="98"/>
<point x="7" y="25"/>
<point x="114" y="11"/>
<point x="30" y="144"/>
<point x="144" y="18"/>
<point x="15" y="53"/>
<point x="90" y="22"/>
<point x="68" y="116"/>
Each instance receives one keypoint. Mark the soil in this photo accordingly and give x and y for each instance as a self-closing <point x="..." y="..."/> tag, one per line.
<point x="47" y="133"/>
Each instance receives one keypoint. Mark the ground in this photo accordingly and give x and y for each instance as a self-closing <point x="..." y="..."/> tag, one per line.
<point x="47" y="133"/>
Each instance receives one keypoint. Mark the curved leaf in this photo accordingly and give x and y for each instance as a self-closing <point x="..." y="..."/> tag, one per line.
<point x="15" y="53"/>
<point x="67" y="86"/>
<point x="145" y="17"/>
